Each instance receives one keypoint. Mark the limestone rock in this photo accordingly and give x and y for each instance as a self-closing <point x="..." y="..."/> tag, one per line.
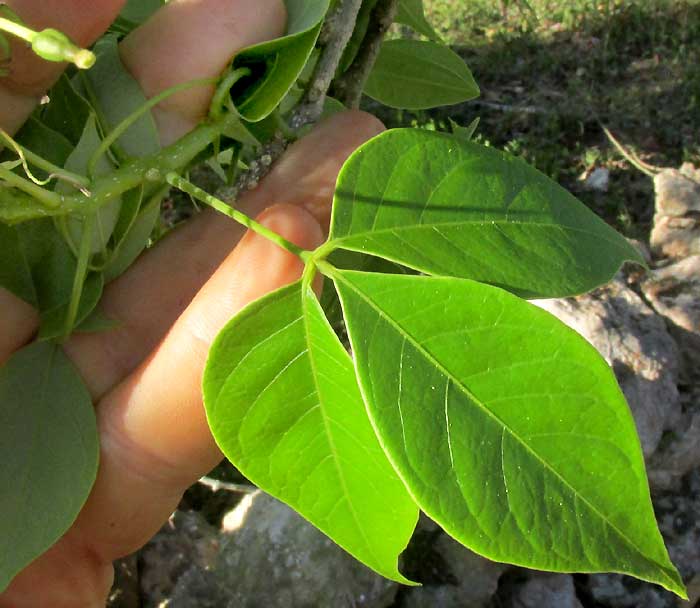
<point x="617" y="591"/>
<point x="271" y="557"/>
<point x="678" y="514"/>
<point x="546" y="591"/>
<point x="636" y="343"/>
<point x="676" y="232"/>
<point x="185" y="543"/>
<point x="674" y="291"/>
<point x="465" y="578"/>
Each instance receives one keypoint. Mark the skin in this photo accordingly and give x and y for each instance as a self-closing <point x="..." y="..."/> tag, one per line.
<point x="145" y="376"/>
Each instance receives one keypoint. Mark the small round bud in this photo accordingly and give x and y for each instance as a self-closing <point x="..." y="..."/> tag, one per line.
<point x="84" y="59"/>
<point x="52" y="45"/>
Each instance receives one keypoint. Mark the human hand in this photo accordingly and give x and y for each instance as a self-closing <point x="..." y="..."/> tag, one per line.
<point x="145" y="375"/>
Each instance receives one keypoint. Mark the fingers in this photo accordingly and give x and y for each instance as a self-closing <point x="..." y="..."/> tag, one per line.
<point x="30" y="77"/>
<point x="186" y="40"/>
<point x="155" y="291"/>
<point x="18" y="323"/>
<point x="154" y="436"/>
<point x="191" y="39"/>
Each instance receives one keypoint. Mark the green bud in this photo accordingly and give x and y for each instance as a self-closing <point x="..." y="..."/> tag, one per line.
<point x="53" y="45"/>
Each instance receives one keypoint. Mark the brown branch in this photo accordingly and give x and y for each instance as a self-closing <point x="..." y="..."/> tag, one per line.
<point x="337" y="33"/>
<point x="348" y="88"/>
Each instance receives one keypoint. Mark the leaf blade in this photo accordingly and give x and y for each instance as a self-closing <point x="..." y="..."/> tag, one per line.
<point x="497" y="444"/>
<point x="310" y="443"/>
<point x="450" y="207"/>
<point x="412" y="14"/>
<point x="51" y="455"/>
<point x="418" y="75"/>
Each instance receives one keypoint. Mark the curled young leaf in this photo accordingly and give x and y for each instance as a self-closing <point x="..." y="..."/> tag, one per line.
<point x="277" y="64"/>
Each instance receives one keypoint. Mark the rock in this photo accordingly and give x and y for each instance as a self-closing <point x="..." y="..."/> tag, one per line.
<point x="678" y="514"/>
<point x="636" y="343"/>
<point x="618" y="591"/>
<point x="185" y="543"/>
<point x="125" y="591"/>
<point x="452" y="576"/>
<point x="271" y="557"/>
<point x="598" y="180"/>
<point x="676" y="232"/>
<point x="546" y="591"/>
<point x="669" y="465"/>
<point x="674" y="291"/>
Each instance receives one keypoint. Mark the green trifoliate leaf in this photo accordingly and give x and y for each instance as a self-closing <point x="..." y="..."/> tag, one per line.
<point x="53" y="320"/>
<point x="138" y="11"/>
<point x="108" y="214"/>
<point x="49" y="453"/>
<point x="36" y="265"/>
<point x="507" y="427"/>
<point x="67" y="111"/>
<point x="284" y="406"/>
<point x="15" y="271"/>
<point x="412" y="14"/>
<point x="277" y="64"/>
<point x="47" y="143"/>
<point x="449" y="207"/>
<point x="17" y="207"/>
<point x="416" y="75"/>
<point x="136" y="239"/>
<point x="117" y="95"/>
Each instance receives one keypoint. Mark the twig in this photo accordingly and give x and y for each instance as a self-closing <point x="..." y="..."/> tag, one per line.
<point x="339" y="28"/>
<point x="503" y="107"/>
<point x="215" y="485"/>
<point x="257" y="169"/>
<point x="630" y="156"/>
<point x="348" y="88"/>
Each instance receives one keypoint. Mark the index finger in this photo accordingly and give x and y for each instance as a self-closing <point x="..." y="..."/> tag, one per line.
<point x="29" y="76"/>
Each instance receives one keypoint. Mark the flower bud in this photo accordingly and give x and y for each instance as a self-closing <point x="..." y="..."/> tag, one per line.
<point x="53" y="45"/>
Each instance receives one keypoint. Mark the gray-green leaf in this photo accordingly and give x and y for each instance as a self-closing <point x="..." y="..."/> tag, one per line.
<point x="53" y="321"/>
<point x="420" y="74"/>
<point x="508" y="428"/>
<point x="49" y="453"/>
<point x="116" y="95"/>
<point x="412" y="14"/>
<point x="449" y="207"/>
<point x="108" y="214"/>
<point x="284" y="406"/>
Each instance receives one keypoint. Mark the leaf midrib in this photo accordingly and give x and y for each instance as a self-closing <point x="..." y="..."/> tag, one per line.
<point x="324" y="417"/>
<point x="342" y="241"/>
<point x="337" y="275"/>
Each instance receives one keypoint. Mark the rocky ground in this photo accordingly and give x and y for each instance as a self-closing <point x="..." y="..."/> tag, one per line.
<point x="230" y="549"/>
